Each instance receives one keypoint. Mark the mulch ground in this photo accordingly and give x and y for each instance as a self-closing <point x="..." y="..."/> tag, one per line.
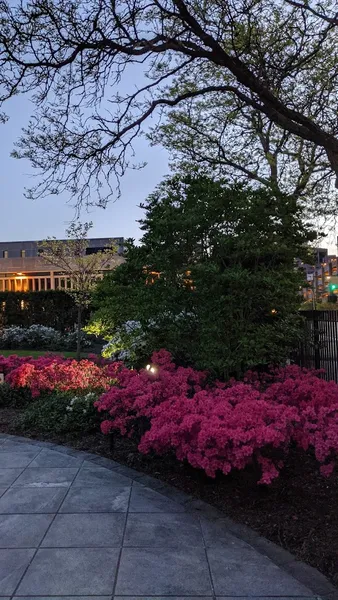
<point x="299" y="511"/>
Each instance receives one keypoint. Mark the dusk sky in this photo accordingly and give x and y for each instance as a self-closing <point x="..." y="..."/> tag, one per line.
<point x="23" y="219"/>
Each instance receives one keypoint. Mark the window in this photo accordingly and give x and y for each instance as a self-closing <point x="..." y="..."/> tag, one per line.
<point x="23" y="253"/>
<point x="42" y="284"/>
<point x="36" y="285"/>
<point x="5" y="254"/>
<point x="94" y="250"/>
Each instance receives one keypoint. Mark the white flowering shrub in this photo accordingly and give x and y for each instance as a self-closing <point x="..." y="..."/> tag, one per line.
<point x="128" y="343"/>
<point x="80" y="410"/>
<point x="69" y="340"/>
<point x="39" y="337"/>
<point x="61" y="412"/>
<point x="133" y="344"/>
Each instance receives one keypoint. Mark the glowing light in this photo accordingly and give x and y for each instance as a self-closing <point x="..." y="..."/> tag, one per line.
<point x="148" y="367"/>
<point x="273" y="312"/>
<point x="152" y="370"/>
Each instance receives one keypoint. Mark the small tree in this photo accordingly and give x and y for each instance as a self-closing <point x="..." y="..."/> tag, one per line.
<point x="70" y="257"/>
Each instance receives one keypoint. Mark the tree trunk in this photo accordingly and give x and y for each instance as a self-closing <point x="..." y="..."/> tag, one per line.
<point x="78" y="332"/>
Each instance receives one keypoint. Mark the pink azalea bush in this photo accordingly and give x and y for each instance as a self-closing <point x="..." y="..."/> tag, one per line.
<point x="55" y="373"/>
<point x="215" y="426"/>
<point x="223" y="426"/>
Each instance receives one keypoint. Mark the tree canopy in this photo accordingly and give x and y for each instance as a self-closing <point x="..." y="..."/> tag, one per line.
<point x="81" y="63"/>
<point x="214" y="279"/>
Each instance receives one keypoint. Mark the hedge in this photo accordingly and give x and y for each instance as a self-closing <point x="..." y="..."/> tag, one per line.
<point x="50" y="308"/>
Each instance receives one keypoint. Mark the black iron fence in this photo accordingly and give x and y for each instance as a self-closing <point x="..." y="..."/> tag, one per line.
<point x="319" y="349"/>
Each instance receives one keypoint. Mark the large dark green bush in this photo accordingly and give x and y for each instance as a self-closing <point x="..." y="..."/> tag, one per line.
<point x="53" y="308"/>
<point x="214" y="279"/>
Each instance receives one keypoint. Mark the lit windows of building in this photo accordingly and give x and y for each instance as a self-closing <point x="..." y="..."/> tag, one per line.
<point x="25" y="271"/>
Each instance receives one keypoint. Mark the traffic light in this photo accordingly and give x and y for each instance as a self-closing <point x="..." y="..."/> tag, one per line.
<point x="332" y="287"/>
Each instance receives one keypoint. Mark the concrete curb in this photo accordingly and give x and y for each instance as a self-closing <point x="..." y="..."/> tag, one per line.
<point x="303" y="573"/>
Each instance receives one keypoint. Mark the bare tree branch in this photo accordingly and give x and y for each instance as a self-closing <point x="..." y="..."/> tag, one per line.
<point x="79" y="61"/>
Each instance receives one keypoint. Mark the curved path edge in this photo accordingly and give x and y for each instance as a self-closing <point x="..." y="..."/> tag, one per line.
<point x="308" y="576"/>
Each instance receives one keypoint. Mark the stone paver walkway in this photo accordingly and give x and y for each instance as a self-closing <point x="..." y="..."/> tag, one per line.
<point x="72" y="527"/>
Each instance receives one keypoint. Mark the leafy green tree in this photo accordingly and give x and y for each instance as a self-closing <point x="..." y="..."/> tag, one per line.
<point x="214" y="279"/>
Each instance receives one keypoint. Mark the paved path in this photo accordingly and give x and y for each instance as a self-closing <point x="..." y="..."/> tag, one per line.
<point x="72" y="527"/>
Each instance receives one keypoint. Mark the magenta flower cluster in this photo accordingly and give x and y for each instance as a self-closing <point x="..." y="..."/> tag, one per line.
<point x="224" y="426"/>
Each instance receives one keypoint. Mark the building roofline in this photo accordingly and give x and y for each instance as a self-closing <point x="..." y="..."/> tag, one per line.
<point x="114" y="237"/>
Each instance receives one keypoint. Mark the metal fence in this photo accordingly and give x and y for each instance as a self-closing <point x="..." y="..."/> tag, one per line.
<point x="319" y="349"/>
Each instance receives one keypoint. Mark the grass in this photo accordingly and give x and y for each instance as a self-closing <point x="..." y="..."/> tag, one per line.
<point x="37" y="353"/>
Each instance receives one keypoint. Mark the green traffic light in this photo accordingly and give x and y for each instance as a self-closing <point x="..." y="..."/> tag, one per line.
<point x="333" y="286"/>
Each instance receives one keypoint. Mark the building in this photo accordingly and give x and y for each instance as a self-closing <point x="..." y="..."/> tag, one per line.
<point x="23" y="270"/>
<point x="322" y="277"/>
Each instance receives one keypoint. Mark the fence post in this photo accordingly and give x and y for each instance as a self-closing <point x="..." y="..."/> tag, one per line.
<point x="316" y="339"/>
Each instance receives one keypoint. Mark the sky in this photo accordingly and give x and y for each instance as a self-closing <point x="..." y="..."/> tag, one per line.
<point x="23" y="219"/>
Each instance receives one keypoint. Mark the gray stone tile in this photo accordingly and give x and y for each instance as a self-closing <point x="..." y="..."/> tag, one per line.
<point x="158" y="571"/>
<point x="145" y="500"/>
<point x="96" y="499"/>
<point x="263" y="598"/>
<point x="3" y="490"/>
<point x="13" y="564"/>
<point x="245" y="572"/>
<point x="86" y="530"/>
<point x="163" y="530"/>
<point x="12" y="446"/>
<point x="23" y="531"/>
<point x="7" y="476"/>
<point x="216" y="533"/>
<point x="162" y="598"/>
<point x="51" y="459"/>
<point x="31" y="500"/>
<point x="14" y="460"/>
<point x="93" y="475"/>
<point x="100" y="461"/>
<point x="45" y="477"/>
<point x="61" y="598"/>
<point x="71" y="571"/>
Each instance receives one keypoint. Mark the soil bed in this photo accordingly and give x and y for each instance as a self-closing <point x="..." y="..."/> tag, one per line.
<point x="299" y="511"/>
